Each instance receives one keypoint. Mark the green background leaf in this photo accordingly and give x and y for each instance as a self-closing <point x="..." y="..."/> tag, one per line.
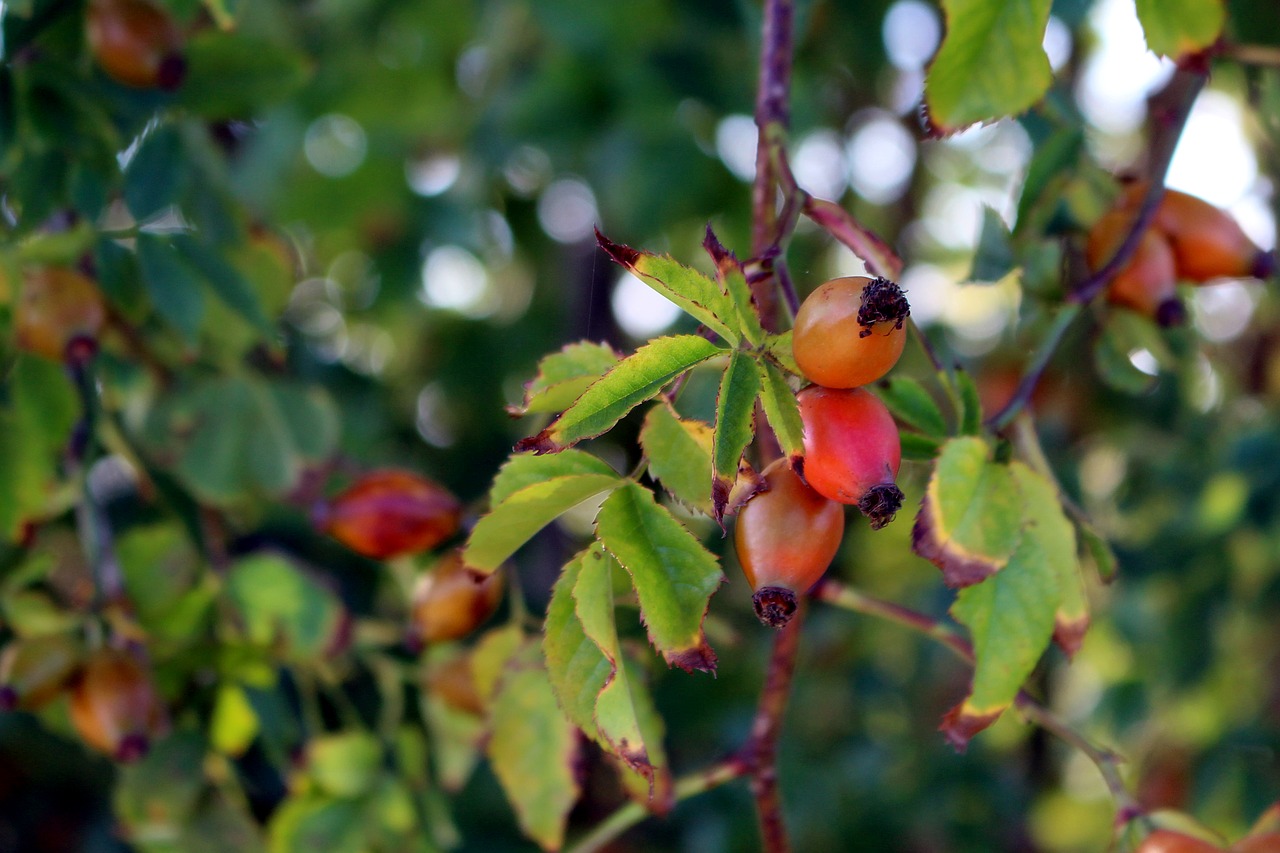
<point x="1177" y="27"/>
<point x="991" y="63"/>
<point x="533" y="750"/>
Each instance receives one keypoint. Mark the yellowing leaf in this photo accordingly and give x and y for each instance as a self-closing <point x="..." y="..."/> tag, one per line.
<point x="1010" y="616"/>
<point x="970" y="519"/>
<point x="533" y="750"/>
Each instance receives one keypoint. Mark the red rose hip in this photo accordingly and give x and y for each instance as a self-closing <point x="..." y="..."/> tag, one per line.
<point x="785" y="538"/>
<point x="390" y="513"/>
<point x="851" y="450"/>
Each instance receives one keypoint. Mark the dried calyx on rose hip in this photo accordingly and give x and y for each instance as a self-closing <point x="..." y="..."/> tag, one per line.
<point x="785" y="537"/>
<point x="390" y="513"/>
<point x="136" y="43"/>
<point x="452" y="599"/>
<point x="851" y="450"/>
<point x="850" y="331"/>
<point x="115" y="706"/>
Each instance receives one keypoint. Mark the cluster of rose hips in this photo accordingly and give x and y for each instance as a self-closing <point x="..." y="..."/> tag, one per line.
<point x="848" y="333"/>
<point x="1189" y="240"/>
<point x="392" y="513"/>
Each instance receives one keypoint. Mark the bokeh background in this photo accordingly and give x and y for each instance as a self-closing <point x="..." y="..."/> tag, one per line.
<point x="435" y="168"/>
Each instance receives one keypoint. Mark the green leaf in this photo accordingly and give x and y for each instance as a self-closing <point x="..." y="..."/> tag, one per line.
<point x="526" y="469"/>
<point x="734" y="282"/>
<point x="234" y="436"/>
<point x="154" y="177"/>
<point x="308" y="416"/>
<point x="1052" y="164"/>
<point x="584" y="660"/>
<point x="1125" y="334"/>
<point x="994" y="258"/>
<point x="34" y="431"/>
<point x="120" y="280"/>
<point x="231" y="76"/>
<point x="284" y="608"/>
<point x="970" y="519"/>
<point x="225" y="280"/>
<point x="1099" y="552"/>
<point x="577" y="668"/>
<point x="156" y="796"/>
<point x="305" y="823"/>
<point x="344" y="764"/>
<point x="174" y="290"/>
<point x="735" y="425"/>
<point x="913" y="405"/>
<point x="616" y="713"/>
<point x="533" y="750"/>
<point x="45" y="401"/>
<point x="639" y="377"/>
<point x="778" y="348"/>
<point x="564" y="375"/>
<point x="1010" y="616"/>
<point x="1071" y="620"/>
<point x="673" y="575"/>
<point x="991" y="63"/>
<point x="699" y="296"/>
<point x="679" y="454"/>
<point x="779" y="403"/>
<point x="456" y="737"/>
<point x="525" y="511"/>
<point x="233" y="724"/>
<point x="1175" y="28"/>
<point x="919" y="448"/>
<point x="971" y="414"/>
<point x="8" y="110"/>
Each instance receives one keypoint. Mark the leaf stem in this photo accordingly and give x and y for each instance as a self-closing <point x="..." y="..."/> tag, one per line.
<point x="1107" y="761"/>
<point x="1265" y="55"/>
<point x="1168" y="110"/>
<point x="633" y="813"/>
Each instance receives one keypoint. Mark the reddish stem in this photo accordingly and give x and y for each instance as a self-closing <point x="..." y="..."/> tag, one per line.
<point x="760" y="753"/>
<point x="772" y="119"/>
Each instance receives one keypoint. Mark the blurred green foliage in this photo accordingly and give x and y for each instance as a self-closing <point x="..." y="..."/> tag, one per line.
<point x="346" y="241"/>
